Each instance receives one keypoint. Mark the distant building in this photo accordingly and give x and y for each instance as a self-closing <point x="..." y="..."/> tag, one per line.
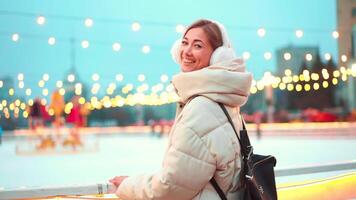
<point x="346" y="18"/>
<point x="293" y="61"/>
<point x="297" y="56"/>
<point x="6" y="84"/>
<point x="10" y="118"/>
<point x="346" y="21"/>
<point x="296" y="59"/>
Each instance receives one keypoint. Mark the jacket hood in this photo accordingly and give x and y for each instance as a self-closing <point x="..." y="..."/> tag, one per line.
<point x="226" y="82"/>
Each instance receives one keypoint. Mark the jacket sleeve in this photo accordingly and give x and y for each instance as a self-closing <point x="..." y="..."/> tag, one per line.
<point x="187" y="167"/>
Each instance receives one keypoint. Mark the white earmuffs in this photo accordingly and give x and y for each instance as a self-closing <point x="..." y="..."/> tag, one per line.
<point x="222" y="53"/>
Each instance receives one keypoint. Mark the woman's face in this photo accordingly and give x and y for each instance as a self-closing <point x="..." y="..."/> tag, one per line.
<point x="195" y="50"/>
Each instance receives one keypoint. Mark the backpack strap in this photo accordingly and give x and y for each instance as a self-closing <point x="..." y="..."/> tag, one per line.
<point x="243" y="133"/>
<point x="244" y="144"/>
<point x="218" y="189"/>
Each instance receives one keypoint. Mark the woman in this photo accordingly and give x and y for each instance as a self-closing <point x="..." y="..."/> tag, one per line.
<point x="202" y="143"/>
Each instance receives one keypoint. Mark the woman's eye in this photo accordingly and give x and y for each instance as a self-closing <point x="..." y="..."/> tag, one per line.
<point x="198" y="46"/>
<point x="184" y="42"/>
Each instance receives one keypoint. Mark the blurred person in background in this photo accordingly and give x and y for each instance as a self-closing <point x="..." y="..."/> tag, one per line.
<point x="57" y="105"/>
<point x="35" y="115"/>
<point x="74" y="119"/>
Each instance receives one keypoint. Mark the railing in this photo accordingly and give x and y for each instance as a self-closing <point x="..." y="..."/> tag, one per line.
<point x="316" y="169"/>
<point x="106" y="188"/>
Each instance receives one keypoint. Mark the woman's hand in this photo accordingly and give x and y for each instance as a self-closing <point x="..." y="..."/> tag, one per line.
<point x="117" y="180"/>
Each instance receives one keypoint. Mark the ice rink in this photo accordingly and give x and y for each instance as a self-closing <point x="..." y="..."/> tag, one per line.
<point x="106" y="155"/>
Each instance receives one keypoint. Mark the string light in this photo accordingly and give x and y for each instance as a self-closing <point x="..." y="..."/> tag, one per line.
<point x="17" y="102"/>
<point x="135" y="26"/>
<point x="327" y="56"/>
<point x="146" y="49"/>
<point x="316" y="86"/>
<point x="45" y="92"/>
<point x="343" y="77"/>
<point x="288" y="72"/>
<point x="298" y="87"/>
<point x="41" y="83"/>
<point x="267" y="55"/>
<point x="119" y="77"/>
<point x="307" y="87"/>
<point x="315" y="76"/>
<point x="141" y="78"/>
<point x="78" y="86"/>
<point x="308" y="57"/>
<point x="260" y="85"/>
<point x="282" y="86"/>
<point x="261" y="32"/>
<point x="30" y="102"/>
<point x="45" y="77"/>
<point x="335" y="34"/>
<point x="299" y="33"/>
<point x="15" y="37"/>
<point x="116" y="46"/>
<point x="335" y="81"/>
<point x="290" y="87"/>
<point x="287" y="56"/>
<point x="51" y="41"/>
<point x="88" y="22"/>
<point x="11" y="91"/>
<point x="59" y="84"/>
<point x="81" y="100"/>
<point x="95" y="77"/>
<point x="325" y="84"/>
<point x="41" y="20"/>
<point x="23" y="106"/>
<point x="62" y="91"/>
<point x="20" y="77"/>
<point x="164" y="78"/>
<point x="290" y="82"/>
<point x="51" y="112"/>
<point x="21" y="84"/>
<point x="71" y="78"/>
<point x="28" y="91"/>
<point x="12" y="106"/>
<point x="85" y="44"/>
<point x="25" y="114"/>
<point x="343" y="58"/>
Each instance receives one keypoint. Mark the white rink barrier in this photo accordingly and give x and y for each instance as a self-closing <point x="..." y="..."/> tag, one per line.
<point x="107" y="188"/>
<point x="93" y="189"/>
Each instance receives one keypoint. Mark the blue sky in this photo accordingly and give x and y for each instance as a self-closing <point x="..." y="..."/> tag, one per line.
<point x="32" y="55"/>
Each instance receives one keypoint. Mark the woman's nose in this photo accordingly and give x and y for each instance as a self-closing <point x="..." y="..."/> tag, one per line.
<point x="187" y="50"/>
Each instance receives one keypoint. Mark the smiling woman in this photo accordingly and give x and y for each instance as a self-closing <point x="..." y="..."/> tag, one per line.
<point x="202" y="145"/>
<point x="195" y="50"/>
<point x="204" y="43"/>
<point x="197" y="45"/>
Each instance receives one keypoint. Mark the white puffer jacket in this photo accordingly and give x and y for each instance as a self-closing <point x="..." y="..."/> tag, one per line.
<point x="202" y="143"/>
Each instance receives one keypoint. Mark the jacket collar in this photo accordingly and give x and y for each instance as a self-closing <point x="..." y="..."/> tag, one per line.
<point x="226" y="82"/>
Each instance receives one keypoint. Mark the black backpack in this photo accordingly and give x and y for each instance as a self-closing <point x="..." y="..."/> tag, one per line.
<point x="257" y="174"/>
